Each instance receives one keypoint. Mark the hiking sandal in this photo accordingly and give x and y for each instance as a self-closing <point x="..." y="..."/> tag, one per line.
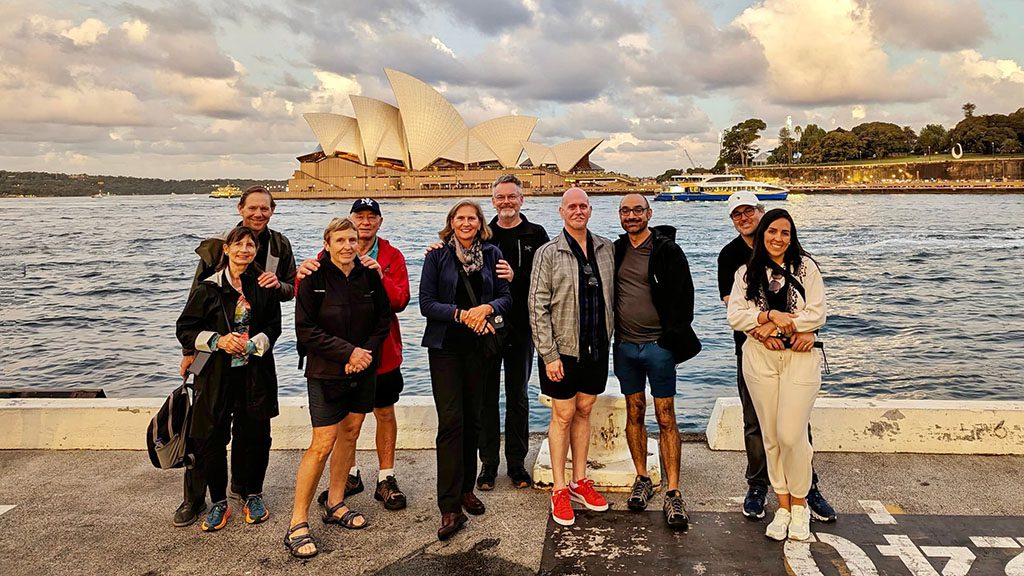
<point x="347" y="520"/>
<point x="294" y="543"/>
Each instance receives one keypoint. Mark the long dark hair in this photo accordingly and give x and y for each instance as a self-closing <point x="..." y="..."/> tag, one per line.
<point x="760" y="261"/>
<point x="237" y="233"/>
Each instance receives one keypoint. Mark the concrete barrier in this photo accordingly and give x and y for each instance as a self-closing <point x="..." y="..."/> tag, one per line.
<point x="881" y="425"/>
<point x="120" y="424"/>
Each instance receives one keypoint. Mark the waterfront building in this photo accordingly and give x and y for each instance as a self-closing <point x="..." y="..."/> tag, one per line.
<point x="423" y="147"/>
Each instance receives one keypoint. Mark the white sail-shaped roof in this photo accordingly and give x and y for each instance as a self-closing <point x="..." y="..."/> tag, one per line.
<point x="505" y="135"/>
<point x="380" y="125"/>
<point x="336" y="133"/>
<point x="539" y="154"/>
<point x="431" y="123"/>
<point x="469" y="148"/>
<point x="568" y="154"/>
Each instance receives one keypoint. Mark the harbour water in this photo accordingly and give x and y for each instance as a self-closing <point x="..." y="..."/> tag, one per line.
<point x="923" y="291"/>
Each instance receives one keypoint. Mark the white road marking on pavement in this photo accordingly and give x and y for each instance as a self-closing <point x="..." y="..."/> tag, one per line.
<point x="4" y="508"/>
<point x="877" y="512"/>
<point x="1015" y="567"/>
<point x="994" y="542"/>
<point x="857" y="562"/>
<point x="798" y="556"/>
<point x="736" y="499"/>
<point x="960" y="558"/>
<point x="903" y="548"/>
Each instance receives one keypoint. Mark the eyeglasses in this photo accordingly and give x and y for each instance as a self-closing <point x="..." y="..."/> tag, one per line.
<point x="635" y="210"/>
<point x="591" y="279"/>
<point x="741" y="213"/>
<point x="506" y="198"/>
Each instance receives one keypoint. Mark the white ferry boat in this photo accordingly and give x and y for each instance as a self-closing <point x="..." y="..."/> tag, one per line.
<point x="701" y="187"/>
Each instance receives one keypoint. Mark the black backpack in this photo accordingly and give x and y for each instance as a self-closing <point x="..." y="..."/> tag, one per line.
<point x="167" y="436"/>
<point x="319" y="283"/>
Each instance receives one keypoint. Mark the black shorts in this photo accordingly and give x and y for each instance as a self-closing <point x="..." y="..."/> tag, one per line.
<point x="331" y="400"/>
<point x="588" y="377"/>
<point x="389" y="386"/>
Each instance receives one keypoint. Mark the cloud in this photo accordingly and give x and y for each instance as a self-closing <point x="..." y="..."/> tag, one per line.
<point x="135" y="30"/>
<point x="827" y="53"/>
<point x="491" y="17"/>
<point x="646" y="146"/>
<point x="994" y="85"/>
<point x="941" y="25"/>
<point x="87" y="33"/>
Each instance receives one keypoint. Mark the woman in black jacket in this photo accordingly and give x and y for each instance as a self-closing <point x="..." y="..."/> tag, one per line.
<point x="463" y="299"/>
<point x="230" y="316"/>
<point x="342" y="316"/>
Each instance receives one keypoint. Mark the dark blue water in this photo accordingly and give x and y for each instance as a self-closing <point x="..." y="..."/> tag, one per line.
<point x="924" y="292"/>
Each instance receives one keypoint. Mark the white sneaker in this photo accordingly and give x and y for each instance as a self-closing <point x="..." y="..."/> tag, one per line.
<point x="800" y="524"/>
<point x="779" y="527"/>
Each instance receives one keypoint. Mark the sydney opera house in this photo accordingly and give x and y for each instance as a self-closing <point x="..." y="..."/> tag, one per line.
<point x="423" y="147"/>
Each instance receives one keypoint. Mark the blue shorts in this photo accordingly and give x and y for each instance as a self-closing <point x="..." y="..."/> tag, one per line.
<point x="637" y="363"/>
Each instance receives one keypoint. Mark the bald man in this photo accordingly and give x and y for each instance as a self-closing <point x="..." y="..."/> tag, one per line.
<point x="653" y="313"/>
<point x="571" y="303"/>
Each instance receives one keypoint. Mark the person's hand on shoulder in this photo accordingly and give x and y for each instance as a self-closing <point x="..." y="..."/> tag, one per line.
<point x="268" y="280"/>
<point x="307" y="267"/>
<point x="435" y="246"/>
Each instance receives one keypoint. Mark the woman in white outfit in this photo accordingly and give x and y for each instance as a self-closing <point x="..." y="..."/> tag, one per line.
<point x="778" y="299"/>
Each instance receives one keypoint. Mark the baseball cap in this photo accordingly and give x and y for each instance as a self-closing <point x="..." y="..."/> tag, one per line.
<point x="365" y="204"/>
<point x="743" y="198"/>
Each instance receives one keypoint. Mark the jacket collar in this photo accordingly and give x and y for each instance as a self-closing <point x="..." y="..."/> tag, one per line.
<point x="563" y="244"/>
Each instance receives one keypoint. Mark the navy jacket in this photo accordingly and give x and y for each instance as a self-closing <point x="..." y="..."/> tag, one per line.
<point x="437" y="290"/>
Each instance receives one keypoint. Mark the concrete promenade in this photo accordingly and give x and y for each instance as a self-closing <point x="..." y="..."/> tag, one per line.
<point x="108" y="512"/>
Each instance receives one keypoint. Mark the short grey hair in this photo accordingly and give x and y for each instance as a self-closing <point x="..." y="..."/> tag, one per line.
<point x="505" y="178"/>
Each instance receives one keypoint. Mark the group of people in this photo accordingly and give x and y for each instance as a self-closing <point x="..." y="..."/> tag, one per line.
<point x="492" y="294"/>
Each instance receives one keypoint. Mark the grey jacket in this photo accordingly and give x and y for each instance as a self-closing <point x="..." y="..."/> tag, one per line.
<point x="555" y="296"/>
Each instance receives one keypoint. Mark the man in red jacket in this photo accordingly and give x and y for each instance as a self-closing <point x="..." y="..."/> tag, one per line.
<point x="378" y="254"/>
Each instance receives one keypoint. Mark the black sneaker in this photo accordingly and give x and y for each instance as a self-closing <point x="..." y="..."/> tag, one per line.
<point x="675" y="514"/>
<point x="488" y="474"/>
<point x="820" y="509"/>
<point x="643" y="490"/>
<point x="520" y="477"/>
<point x="388" y="493"/>
<point x="354" y="484"/>
<point x="188" y="513"/>
<point x="753" y="503"/>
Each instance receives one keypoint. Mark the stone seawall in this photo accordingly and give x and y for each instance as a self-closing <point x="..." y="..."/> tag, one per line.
<point x="947" y="169"/>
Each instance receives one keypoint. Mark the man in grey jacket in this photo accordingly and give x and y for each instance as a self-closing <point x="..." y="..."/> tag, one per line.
<point x="571" y="306"/>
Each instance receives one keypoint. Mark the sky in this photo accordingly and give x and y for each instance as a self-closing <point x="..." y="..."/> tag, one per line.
<point x="217" y="89"/>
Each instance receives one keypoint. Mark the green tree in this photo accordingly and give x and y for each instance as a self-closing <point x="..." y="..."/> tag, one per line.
<point x="810" y="140"/>
<point x="968" y="109"/>
<point x="840" y="146"/>
<point x="738" y="143"/>
<point x="932" y="139"/>
<point x="1010" y="146"/>
<point x="668" y="174"/>
<point x="883" y="139"/>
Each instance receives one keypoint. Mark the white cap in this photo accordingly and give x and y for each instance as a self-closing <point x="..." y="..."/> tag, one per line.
<point x="743" y="198"/>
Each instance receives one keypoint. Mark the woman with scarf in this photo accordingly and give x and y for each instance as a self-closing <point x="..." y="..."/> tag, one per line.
<point x="463" y="300"/>
<point x="237" y="321"/>
<point x="778" y="299"/>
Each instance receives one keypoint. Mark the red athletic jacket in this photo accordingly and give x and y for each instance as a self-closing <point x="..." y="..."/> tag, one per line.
<point x="396" y="285"/>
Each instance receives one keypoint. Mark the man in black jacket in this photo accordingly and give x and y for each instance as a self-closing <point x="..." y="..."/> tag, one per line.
<point x="274" y="257"/>
<point x="517" y="238"/>
<point x="745" y="211"/>
<point x="653" y="313"/>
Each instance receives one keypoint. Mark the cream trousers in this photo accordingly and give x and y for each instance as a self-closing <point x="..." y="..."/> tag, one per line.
<point x="783" y="386"/>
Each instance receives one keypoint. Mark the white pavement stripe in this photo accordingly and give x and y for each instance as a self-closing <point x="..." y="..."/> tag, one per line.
<point x="736" y="499"/>
<point x="994" y="542"/>
<point x="857" y="562"/>
<point x="877" y="512"/>
<point x="5" y="508"/>
<point x="799" y="559"/>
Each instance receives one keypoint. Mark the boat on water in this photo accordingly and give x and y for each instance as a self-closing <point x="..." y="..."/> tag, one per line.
<point x="704" y="187"/>
<point x="229" y="191"/>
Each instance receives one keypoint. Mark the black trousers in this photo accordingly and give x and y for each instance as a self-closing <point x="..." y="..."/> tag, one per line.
<point x="250" y="449"/>
<point x="457" y="380"/>
<point x="757" y="463"/>
<point x="517" y="358"/>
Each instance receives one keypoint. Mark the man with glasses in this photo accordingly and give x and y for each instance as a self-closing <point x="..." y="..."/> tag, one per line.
<point x="518" y="240"/>
<point x="571" y="308"/>
<point x="746" y="211"/>
<point x="653" y="313"/>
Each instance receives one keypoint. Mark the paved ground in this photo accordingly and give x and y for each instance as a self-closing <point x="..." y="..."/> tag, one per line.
<point x="92" y="512"/>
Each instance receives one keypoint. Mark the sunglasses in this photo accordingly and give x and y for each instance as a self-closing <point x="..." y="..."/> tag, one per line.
<point x="591" y="279"/>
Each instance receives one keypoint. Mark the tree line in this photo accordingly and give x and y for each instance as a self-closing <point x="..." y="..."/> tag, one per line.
<point x="811" y="144"/>
<point x="50" y="184"/>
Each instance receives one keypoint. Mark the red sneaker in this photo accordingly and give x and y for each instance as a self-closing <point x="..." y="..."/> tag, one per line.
<point x="561" y="507"/>
<point x="585" y="494"/>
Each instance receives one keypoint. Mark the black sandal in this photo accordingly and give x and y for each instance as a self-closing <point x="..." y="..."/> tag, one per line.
<point x="294" y="543"/>
<point x="347" y="520"/>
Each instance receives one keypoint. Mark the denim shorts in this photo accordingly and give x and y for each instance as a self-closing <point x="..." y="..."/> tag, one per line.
<point x="636" y="363"/>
